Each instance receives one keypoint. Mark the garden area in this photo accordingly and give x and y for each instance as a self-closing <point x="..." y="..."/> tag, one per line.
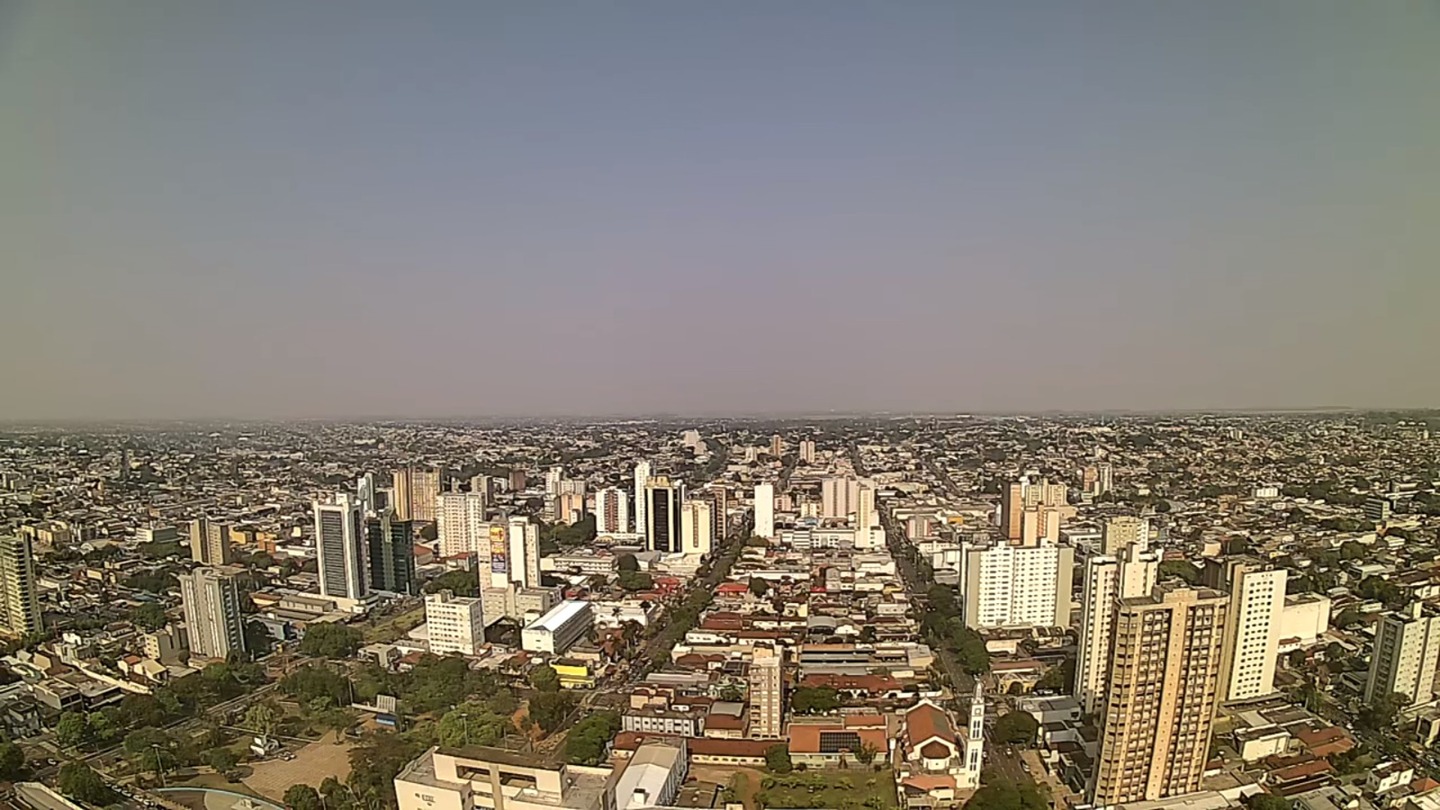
<point x="844" y="789"/>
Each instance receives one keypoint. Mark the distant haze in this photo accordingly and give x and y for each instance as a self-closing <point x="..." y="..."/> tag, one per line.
<point x="275" y="209"/>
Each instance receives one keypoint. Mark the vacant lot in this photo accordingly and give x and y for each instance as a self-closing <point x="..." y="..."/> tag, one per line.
<point x="847" y="789"/>
<point x="311" y="764"/>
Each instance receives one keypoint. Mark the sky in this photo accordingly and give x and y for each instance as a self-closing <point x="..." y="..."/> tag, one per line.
<point x="311" y="209"/>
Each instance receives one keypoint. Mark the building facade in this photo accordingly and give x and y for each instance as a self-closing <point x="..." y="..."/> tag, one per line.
<point x="340" y="548"/>
<point x="612" y="511"/>
<point x="662" y="514"/>
<point x="390" y="551"/>
<point x="22" y="615"/>
<point x="1017" y="586"/>
<point x="1107" y="580"/>
<point x="696" y="526"/>
<point x="767" y="691"/>
<point x="461" y="525"/>
<point x="764" y="511"/>
<point x="1407" y="644"/>
<point x="211" y="602"/>
<point x="456" y="624"/>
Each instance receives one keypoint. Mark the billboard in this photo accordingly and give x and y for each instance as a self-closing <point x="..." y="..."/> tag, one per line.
<point x="499" y="551"/>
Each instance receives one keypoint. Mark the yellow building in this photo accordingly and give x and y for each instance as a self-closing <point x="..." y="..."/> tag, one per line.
<point x="574" y="674"/>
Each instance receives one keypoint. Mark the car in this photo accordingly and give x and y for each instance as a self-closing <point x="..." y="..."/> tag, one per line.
<point x="1009" y="752"/>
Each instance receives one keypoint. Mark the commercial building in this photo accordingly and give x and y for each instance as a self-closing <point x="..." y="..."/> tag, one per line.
<point x="1407" y="644"/>
<point x="1107" y="580"/>
<point x="22" y="614"/>
<point x="662" y="514"/>
<point x="557" y="630"/>
<point x="461" y="525"/>
<point x="211" y="602"/>
<point x="612" y="511"/>
<point x="1164" y="685"/>
<point x="764" y="511"/>
<point x="390" y="550"/>
<point x="652" y="777"/>
<point x="767" y="691"/>
<point x="416" y="492"/>
<point x="480" y="778"/>
<point x="1017" y="586"/>
<point x="210" y="542"/>
<point x="696" y="526"/>
<point x="642" y="477"/>
<point x="340" y="547"/>
<point x="456" y="624"/>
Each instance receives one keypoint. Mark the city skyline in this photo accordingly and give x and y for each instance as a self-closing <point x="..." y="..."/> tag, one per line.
<point x="261" y="212"/>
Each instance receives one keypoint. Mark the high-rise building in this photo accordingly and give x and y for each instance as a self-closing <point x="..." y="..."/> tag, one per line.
<point x="569" y="508"/>
<point x="1164" y="685"/>
<point x="461" y="525"/>
<point x="865" y="506"/>
<point x="1017" y="586"/>
<point x="210" y="542"/>
<point x="1033" y="511"/>
<point x="1377" y="510"/>
<point x="719" y="512"/>
<point x="553" y="477"/>
<point x="807" y="451"/>
<point x="484" y="486"/>
<point x="1121" y="532"/>
<point x="1407" y="645"/>
<point x="523" y="538"/>
<point x="1108" y="579"/>
<point x="211" y="602"/>
<point x="642" y="477"/>
<point x="696" y="527"/>
<point x="367" y="492"/>
<point x="764" y="511"/>
<point x="455" y="624"/>
<point x="340" y="548"/>
<point x="767" y="690"/>
<point x="839" y="497"/>
<point x="21" y="596"/>
<point x="1252" y="635"/>
<point x="612" y="511"/>
<point x="517" y="481"/>
<point x="416" y="493"/>
<point x="662" y="514"/>
<point x="390" y="549"/>
<point x="969" y="776"/>
<point x="1106" y="482"/>
<point x="777" y="446"/>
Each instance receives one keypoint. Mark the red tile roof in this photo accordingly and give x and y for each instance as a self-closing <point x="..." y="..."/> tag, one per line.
<point x="926" y="721"/>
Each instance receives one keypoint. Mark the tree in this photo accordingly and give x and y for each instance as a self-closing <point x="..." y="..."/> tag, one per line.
<point x="586" y="742"/>
<point x="866" y="754"/>
<point x="460" y="583"/>
<point x="258" y="641"/>
<point x="635" y="580"/>
<point x="472" y="724"/>
<point x="627" y="562"/>
<point x="545" y="679"/>
<point x="1058" y="679"/>
<point x="969" y="646"/>
<point x="331" y="640"/>
<point x="261" y="718"/>
<point x="375" y="762"/>
<point x="150" y="616"/>
<point x="221" y="759"/>
<point x="1349" y="617"/>
<point x="1016" y="727"/>
<point x="312" y="681"/>
<point x="81" y="783"/>
<point x="777" y="759"/>
<point x="1267" y="801"/>
<point x="814" y="700"/>
<point x="1382" y="711"/>
<point x="12" y="762"/>
<point x="1004" y="795"/>
<point x="303" y="797"/>
<point x="71" y="730"/>
<point x="1180" y="568"/>
<point x="758" y="586"/>
<point x="549" y="709"/>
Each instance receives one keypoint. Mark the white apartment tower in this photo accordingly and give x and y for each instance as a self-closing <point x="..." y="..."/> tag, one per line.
<point x="839" y="497"/>
<point x="211" y="602"/>
<point x="642" y="477"/>
<point x="461" y="524"/>
<point x="1252" y="638"/>
<point x="1121" y="532"/>
<point x="767" y="691"/>
<point x="524" y="549"/>
<point x="612" y="511"/>
<point x="696" y="527"/>
<point x="1107" y="580"/>
<point x="340" y="547"/>
<point x="807" y="451"/>
<point x="765" y="510"/>
<point x="1406" y="647"/>
<point x="456" y="624"/>
<point x="1017" y="586"/>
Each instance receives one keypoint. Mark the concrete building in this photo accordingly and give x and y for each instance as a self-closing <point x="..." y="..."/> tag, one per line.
<point x="556" y="631"/>
<point x="652" y="777"/>
<point x="461" y="525"/>
<point x="1407" y="644"/>
<point x="22" y="615"/>
<point x="523" y="563"/>
<point x="1032" y="511"/>
<point x="416" y="492"/>
<point x="839" y="497"/>
<point x="1107" y="580"/>
<point x="765" y="511"/>
<point x="1164" y="690"/>
<point x="524" y="605"/>
<point x="767" y="691"/>
<point x="390" y="552"/>
<point x="340" y="547"/>
<point x="1124" y="531"/>
<point x="456" y="624"/>
<point x="807" y="451"/>
<point x="1017" y="586"/>
<point x="612" y="511"/>
<point x="1252" y="637"/>
<point x="480" y="778"/>
<point x="642" y="477"/>
<point x="696" y="526"/>
<point x="662" y="514"/>
<point x="210" y="542"/>
<point x="211" y="602"/>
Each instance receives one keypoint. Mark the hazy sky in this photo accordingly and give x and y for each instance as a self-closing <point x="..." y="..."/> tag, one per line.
<point x="385" y="208"/>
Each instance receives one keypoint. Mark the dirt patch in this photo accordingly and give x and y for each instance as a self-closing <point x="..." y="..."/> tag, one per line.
<point x="745" y="782"/>
<point x="312" y="763"/>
